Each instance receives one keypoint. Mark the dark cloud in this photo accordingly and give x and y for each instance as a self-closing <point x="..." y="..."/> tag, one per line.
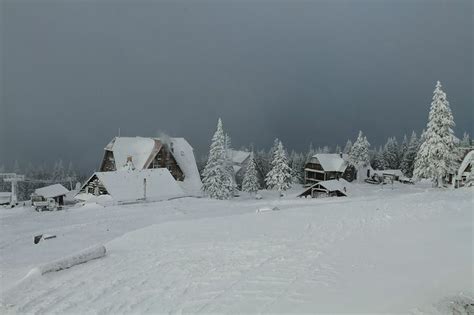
<point x="74" y="72"/>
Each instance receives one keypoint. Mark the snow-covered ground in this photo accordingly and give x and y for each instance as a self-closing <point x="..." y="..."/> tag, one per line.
<point x="403" y="250"/>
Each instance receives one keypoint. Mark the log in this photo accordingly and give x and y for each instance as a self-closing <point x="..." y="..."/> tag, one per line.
<point x="81" y="257"/>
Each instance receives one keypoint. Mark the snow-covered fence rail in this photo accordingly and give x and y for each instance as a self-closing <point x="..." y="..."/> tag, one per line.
<point x="74" y="259"/>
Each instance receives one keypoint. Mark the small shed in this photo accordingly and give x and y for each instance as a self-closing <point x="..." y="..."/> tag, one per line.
<point x="56" y="191"/>
<point x="394" y="175"/>
<point x="329" y="188"/>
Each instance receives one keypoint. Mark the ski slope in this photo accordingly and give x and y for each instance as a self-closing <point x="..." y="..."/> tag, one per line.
<point x="402" y="250"/>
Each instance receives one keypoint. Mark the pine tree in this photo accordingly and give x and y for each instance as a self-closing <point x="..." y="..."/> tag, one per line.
<point x="466" y="140"/>
<point x="359" y="154"/>
<point x="231" y="182"/>
<point x="348" y="147"/>
<point x="391" y="154"/>
<point x="58" y="171"/>
<point x="262" y="161"/>
<point x="402" y="150"/>
<point x="296" y="163"/>
<point x="408" y="160"/>
<point x="311" y="152"/>
<point x="279" y="177"/>
<point x="326" y="149"/>
<point x="250" y="183"/>
<point x="215" y="182"/>
<point x="338" y="149"/>
<point x="437" y="156"/>
<point x="379" y="162"/>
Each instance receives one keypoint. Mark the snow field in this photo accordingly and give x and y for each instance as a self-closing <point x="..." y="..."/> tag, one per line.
<point x="400" y="253"/>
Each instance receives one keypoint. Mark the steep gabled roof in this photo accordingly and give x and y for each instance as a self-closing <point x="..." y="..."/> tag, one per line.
<point x="468" y="159"/>
<point x="238" y="157"/>
<point x="331" y="162"/>
<point x="140" y="149"/>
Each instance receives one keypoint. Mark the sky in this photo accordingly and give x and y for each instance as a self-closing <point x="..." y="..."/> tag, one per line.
<point x="74" y="72"/>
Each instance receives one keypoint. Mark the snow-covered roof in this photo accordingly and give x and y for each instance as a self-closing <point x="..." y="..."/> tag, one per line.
<point x="138" y="148"/>
<point x="52" y="191"/>
<point x="331" y="162"/>
<point x="128" y="186"/>
<point x="184" y="155"/>
<point x="142" y="151"/>
<point x="238" y="157"/>
<point x="334" y="185"/>
<point x="468" y="159"/>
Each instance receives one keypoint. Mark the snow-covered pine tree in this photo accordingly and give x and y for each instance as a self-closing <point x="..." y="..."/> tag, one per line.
<point x="58" y="171"/>
<point x="359" y="155"/>
<point x="391" y="153"/>
<point x="296" y="163"/>
<point x="379" y="159"/>
<point x="250" y="183"/>
<point x="348" y="147"/>
<point x="466" y="140"/>
<point x="311" y="152"/>
<point x="408" y="160"/>
<point x="229" y="167"/>
<point x="279" y="177"/>
<point x="215" y="177"/>
<point x="437" y="156"/>
<point x="338" y="149"/>
<point x="262" y="161"/>
<point x="71" y="172"/>
<point x="402" y="149"/>
<point x="326" y="149"/>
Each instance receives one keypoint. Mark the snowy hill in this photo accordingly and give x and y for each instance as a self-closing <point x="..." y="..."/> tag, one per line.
<point x="401" y="250"/>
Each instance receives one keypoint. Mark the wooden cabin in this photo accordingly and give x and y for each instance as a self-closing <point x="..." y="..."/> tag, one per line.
<point x="138" y="168"/>
<point x="329" y="188"/>
<point x="327" y="166"/>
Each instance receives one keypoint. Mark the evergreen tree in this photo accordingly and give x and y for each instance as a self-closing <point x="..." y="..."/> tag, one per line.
<point x="250" y="183"/>
<point x="326" y="149"/>
<point x="215" y="182"/>
<point x="262" y="161"/>
<point x="229" y="167"/>
<point x="402" y="150"/>
<point x="437" y="156"/>
<point x="391" y="154"/>
<point x="466" y="140"/>
<point x="379" y="162"/>
<point x="348" y="147"/>
<point x="338" y="149"/>
<point x="408" y="160"/>
<point x="359" y="154"/>
<point x="17" y="168"/>
<point x="297" y="163"/>
<point x="279" y="177"/>
<point x="59" y="173"/>
<point x="311" y="152"/>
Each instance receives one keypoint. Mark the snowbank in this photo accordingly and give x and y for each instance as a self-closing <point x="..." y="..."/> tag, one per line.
<point x="75" y="259"/>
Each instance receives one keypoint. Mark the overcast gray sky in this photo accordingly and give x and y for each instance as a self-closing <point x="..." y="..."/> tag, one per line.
<point x="73" y="72"/>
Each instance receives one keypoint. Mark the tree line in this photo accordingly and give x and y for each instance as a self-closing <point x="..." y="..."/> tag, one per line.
<point x="37" y="176"/>
<point x="435" y="154"/>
